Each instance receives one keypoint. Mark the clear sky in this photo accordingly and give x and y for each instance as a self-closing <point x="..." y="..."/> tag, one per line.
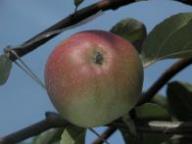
<point x="22" y="101"/>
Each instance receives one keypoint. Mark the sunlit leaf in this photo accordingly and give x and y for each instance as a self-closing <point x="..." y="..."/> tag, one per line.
<point x="73" y="135"/>
<point x="151" y="111"/>
<point x="5" y="68"/>
<point x="172" y="38"/>
<point x="179" y="97"/>
<point x="132" y="30"/>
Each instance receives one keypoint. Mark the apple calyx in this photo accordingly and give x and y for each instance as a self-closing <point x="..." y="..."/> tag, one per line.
<point x="98" y="58"/>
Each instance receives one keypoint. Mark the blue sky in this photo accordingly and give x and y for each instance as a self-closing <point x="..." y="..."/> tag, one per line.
<point x="22" y="101"/>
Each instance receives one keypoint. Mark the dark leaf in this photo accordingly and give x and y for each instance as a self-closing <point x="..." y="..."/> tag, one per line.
<point x="179" y="96"/>
<point x="5" y="68"/>
<point x="132" y="30"/>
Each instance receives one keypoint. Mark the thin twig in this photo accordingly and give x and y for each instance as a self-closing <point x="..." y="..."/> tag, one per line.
<point x="72" y="19"/>
<point x="105" y="135"/>
<point x="98" y="135"/>
<point x="23" y="66"/>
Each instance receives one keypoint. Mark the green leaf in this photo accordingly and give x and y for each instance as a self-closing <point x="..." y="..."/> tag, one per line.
<point x="172" y="38"/>
<point x="179" y="96"/>
<point x="73" y="135"/>
<point x="160" y="100"/>
<point x="51" y="136"/>
<point x="151" y="111"/>
<point x="5" y="68"/>
<point x="78" y="2"/>
<point x="132" y="30"/>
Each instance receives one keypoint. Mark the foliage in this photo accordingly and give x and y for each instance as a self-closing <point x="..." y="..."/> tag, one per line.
<point x="169" y="39"/>
<point x="179" y="96"/>
<point x="172" y="38"/>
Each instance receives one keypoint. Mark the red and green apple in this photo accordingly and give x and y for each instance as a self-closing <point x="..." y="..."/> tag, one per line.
<point x="93" y="78"/>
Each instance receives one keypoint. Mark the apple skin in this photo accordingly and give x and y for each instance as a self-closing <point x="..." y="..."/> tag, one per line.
<point x="93" y="78"/>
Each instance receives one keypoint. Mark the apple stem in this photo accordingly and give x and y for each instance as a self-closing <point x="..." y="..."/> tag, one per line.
<point x="23" y="66"/>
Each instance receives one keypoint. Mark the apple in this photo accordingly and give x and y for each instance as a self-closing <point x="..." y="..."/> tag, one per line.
<point x="93" y="78"/>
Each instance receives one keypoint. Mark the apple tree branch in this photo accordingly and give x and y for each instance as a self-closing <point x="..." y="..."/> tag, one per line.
<point x="72" y="19"/>
<point x="52" y="120"/>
